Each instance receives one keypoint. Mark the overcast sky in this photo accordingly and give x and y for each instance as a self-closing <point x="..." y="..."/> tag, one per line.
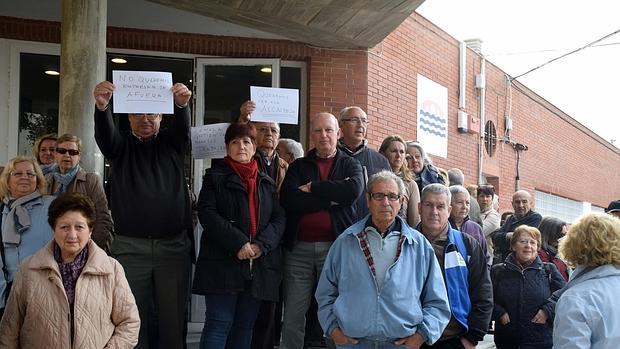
<point x="520" y="35"/>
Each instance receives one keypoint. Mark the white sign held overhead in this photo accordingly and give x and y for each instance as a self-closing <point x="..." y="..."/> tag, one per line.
<point x="279" y="105"/>
<point x="142" y="92"/>
<point x="208" y="141"/>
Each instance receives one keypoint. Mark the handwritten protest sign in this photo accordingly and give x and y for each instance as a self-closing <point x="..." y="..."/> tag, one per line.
<point x="279" y="105"/>
<point x="142" y="92"/>
<point x="208" y="141"/>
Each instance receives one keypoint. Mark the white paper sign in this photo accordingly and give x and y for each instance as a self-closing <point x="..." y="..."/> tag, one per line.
<point x="208" y="141"/>
<point x="279" y="105"/>
<point x="142" y="92"/>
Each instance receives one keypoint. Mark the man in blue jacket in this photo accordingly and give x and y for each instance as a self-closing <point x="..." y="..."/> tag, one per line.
<point x="381" y="283"/>
<point x="464" y="269"/>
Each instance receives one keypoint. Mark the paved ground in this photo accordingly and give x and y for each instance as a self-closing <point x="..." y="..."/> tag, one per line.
<point x="193" y="339"/>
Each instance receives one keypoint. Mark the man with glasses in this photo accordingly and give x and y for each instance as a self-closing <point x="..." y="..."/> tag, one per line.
<point x="353" y="122"/>
<point x="267" y="138"/>
<point x="151" y="211"/>
<point x="317" y="194"/>
<point x="383" y="253"/>
<point x="523" y="215"/>
<point x="464" y="268"/>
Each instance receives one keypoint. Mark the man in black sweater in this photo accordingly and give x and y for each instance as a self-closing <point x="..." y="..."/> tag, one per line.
<point x="524" y="215"/>
<point x="151" y="210"/>
<point x="353" y="122"/>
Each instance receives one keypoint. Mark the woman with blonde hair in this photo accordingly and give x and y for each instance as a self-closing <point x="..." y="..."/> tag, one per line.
<point x="394" y="149"/>
<point x="522" y="286"/>
<point x="587" y="312"/>
<point x="23" y="217"/>
<point x="44" y="150"/>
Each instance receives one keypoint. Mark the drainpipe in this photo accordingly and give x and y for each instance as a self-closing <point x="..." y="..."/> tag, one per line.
<point x="481" y="86"/>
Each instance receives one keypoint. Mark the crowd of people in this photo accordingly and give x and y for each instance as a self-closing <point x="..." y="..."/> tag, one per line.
<point x="381" y="249"/>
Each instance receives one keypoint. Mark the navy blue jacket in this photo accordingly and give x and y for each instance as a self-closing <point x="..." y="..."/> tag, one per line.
<point x="372" y="162"/>
<point x="521" y="293"/>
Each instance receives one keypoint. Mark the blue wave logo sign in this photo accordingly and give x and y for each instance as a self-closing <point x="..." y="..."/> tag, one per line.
<point x="432" y="120"/>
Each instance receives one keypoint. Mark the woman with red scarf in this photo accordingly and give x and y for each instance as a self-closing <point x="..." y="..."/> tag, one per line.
<point x="240" y="256"/>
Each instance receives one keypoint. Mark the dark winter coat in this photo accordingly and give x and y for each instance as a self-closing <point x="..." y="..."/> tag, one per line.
<point x="224" y="214"/>
<point x="336" y="194"/>
<point x="521" y="293"/>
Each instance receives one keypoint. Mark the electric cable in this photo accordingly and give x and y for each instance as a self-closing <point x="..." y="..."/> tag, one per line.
<point x="568" y="54"/>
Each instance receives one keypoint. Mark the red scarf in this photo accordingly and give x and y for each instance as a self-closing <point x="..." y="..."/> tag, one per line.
<point x="248" y="173"/>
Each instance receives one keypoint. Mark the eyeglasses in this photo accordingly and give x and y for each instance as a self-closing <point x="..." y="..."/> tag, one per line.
<point x="63" y="151"/>
<point x="268" y="130"/>
<point x="380" y="196"/>
<point x="528" y="242"/>
<point x="355" y="121"/>
<point x="18" y="174"/>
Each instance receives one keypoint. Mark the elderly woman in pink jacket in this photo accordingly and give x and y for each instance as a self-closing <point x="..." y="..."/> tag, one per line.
<point x="70" y="294"/>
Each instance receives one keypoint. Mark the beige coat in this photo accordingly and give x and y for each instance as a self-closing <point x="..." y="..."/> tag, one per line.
<point x="89" y="184"/>
<point x="38" y="316"/>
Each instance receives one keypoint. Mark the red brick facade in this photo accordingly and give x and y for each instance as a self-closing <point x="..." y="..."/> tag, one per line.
<point x="564" y="158"/>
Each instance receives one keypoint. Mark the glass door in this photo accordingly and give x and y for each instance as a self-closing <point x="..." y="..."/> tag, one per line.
<point x="222" y="85"/>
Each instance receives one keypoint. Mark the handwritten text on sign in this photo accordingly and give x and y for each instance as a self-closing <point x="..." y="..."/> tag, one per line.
<point x="142" y="92"/>
<point x="208" y="141"/>
<point x="279" y="105"/>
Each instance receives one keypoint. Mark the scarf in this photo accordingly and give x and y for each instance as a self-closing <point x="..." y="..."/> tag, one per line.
<point x="64" y="179"/>
<point x="18" y="218"/>
<point x="48" y="168"/>
<point x="249" y="174"/>
<point x="70" y="271"/>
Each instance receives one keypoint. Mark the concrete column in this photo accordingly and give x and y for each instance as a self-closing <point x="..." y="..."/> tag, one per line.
<point x="82" y="66"/>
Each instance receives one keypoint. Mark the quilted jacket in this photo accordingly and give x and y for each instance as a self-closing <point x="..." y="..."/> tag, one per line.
<point x="38" y="314"/>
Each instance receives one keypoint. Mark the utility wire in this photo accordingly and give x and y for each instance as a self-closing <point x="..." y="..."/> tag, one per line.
<point x="542" y="51"/>
<point x="567" y="54"/>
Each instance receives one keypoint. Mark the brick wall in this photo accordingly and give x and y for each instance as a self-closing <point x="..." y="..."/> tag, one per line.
<point x="564" y="158"/>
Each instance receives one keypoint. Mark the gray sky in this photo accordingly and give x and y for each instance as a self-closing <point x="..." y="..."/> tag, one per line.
<point x="520" y="35"/>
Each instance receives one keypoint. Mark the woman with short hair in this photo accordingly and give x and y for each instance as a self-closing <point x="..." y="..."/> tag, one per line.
<point x="70" y="294"/>
<point x="522" y="286"/>
<point x="422" y="166"/>
<point x="69" y="177"/>
<point x="23" y="217"/>
<point x="587" y="311"/>
<point x="240" y="255"/>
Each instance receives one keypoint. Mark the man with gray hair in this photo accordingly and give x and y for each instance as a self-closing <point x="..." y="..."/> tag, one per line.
<point x="353" y="123"/>
<point x="289" y="150"/>
<point x="318" y="195"/>
<point x="464" y="268"/>
<point x="456" y="177"/>
<point x="356" y="269"/>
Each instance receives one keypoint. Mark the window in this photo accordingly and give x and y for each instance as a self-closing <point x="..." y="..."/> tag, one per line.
<point x="556" y="206"/>
<point x="38" y="98"/>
